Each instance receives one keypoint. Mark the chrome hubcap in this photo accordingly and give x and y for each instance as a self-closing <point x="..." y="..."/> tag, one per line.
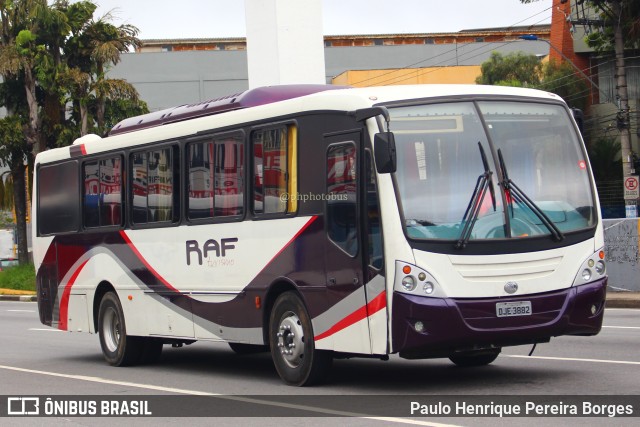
<point x="291" y="339"/>
<point x="111" y="329"/>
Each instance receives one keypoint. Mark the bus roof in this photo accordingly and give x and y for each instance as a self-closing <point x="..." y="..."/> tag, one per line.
<point x="249" y="98"/>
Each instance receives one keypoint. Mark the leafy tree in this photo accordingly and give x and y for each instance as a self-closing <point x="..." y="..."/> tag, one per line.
<point x="561" y="79"/>
<point x="522" y="70"/>
<point x="8" y="193"/>
<point x="13" y="153"/>
<point x="93" y="47"/>
<point x="51" y="56"/>
<point x="514" y="69"/>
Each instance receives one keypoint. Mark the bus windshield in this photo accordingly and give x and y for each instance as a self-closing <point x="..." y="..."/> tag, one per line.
<point x="440" y="165"/>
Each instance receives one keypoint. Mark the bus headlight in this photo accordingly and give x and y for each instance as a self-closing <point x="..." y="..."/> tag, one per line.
<point x="413" y="280"/>
<point x="428" y="288"/>
<point x="592" y="268"/>
<point x="409" y="283"/>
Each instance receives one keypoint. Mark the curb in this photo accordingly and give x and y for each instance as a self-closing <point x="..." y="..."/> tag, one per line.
<point x="21" y="298"/>
<point x="622" y="303"/>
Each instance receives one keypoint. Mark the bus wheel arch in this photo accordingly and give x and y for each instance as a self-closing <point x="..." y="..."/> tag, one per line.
<point x="276" y="289"/>
<point x="101" y="290"/>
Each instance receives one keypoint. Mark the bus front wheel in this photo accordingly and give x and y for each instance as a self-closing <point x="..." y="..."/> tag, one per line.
<point x="118" y="348"/>
<point x="475" y="358"/>
<point x="292" y="346"/>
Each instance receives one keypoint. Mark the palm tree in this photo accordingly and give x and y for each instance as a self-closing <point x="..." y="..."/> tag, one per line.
<point x="95" y="46"/>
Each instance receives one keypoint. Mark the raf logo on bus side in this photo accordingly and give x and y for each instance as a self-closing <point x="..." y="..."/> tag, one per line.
<point x="211" y="245"/>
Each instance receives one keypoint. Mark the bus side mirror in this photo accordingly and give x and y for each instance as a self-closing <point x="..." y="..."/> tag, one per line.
<point x="384" y="146"/>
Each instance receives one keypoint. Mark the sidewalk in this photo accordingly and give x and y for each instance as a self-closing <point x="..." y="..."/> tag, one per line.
<point x="614" y="299"/>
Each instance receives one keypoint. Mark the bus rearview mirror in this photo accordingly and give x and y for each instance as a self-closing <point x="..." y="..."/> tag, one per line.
<point x="384" y="145"/>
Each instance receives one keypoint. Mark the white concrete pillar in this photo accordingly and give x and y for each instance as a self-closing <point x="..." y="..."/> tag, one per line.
<point x="285" y="43"/>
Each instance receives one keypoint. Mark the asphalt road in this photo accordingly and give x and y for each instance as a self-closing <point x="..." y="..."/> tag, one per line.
<point x="37" y="360"/>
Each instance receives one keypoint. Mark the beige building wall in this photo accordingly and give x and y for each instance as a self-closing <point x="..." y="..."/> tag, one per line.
<point x="408" y="76"/>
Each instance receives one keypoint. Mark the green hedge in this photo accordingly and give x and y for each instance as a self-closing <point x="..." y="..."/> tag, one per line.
<point x="20" y="277"/>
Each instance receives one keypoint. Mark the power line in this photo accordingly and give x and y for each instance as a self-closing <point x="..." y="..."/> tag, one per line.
<point x="436" y="67"/>
<point x="449" y="51"/>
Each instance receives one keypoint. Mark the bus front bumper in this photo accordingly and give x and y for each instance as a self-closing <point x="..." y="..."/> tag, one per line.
<point x="449" y="325"/>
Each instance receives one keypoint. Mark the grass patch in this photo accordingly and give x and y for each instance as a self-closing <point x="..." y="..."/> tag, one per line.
<point x="20" y="277"/>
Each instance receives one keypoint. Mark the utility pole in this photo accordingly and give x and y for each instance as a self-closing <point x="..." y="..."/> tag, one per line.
<point x="622" y="118"/>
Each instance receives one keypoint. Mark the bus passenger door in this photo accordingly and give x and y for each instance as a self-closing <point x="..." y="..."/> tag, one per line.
<point x="344" y="327"/>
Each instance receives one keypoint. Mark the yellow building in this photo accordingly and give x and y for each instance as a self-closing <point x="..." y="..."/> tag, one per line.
<point x="466" y="74"/>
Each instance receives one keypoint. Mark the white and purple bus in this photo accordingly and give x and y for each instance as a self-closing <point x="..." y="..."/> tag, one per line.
<point x="321" y="222"/>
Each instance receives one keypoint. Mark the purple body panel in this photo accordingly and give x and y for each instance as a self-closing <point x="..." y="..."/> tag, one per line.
<point x="465" y="324"/>
<point x="249" y="98"/>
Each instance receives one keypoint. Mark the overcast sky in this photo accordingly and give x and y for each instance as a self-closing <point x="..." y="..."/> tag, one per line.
<point x="225" y="18"/>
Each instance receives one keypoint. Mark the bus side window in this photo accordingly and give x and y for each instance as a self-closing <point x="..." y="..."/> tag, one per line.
<point x="58" y="207"/>
<point x="102" y="202"/>
<point x="216" y="178"/>
<point x="341" y="197"/>
<point x="274" y="170"/>
<point x="153" y="186"/>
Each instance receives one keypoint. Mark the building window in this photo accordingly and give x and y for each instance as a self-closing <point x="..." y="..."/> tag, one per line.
<point x="479" y="39"/>
<point x="216" y="178"/>
<point x="102" y="192"/>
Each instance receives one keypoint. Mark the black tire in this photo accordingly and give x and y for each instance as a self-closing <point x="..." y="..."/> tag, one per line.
<point x="292" y="346"/>
<point x="151" y="350"/>
<point x="118" y="348"/>
<point x="242" y="348"/>
<point x="475" y="358"/>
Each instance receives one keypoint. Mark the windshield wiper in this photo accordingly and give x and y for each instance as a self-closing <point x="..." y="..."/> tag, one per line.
<point x="473" y="210"/>
<point x="513" y="192"/>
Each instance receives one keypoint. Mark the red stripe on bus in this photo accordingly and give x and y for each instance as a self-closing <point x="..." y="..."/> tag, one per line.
<point x="144" y="261"/>
<point x="83" y="150"/>
<point x="64" y="300"/>
<point x="375" y="305"/>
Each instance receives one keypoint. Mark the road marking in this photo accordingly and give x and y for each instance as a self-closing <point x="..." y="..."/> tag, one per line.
<point x="45" y="329"/>
<point x="622" y="327"/>
<point x="571" y="359"/>
<point x="228" y="397"/>
<point x="22" y="311"/>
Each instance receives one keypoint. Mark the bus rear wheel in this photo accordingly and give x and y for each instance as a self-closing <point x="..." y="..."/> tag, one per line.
<point x="118" y="348"/>
<point x="475" y="358"/>
<point x="292" y="346"/>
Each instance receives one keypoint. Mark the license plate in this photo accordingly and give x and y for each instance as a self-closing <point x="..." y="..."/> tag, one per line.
<point x="517" y="308"/>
